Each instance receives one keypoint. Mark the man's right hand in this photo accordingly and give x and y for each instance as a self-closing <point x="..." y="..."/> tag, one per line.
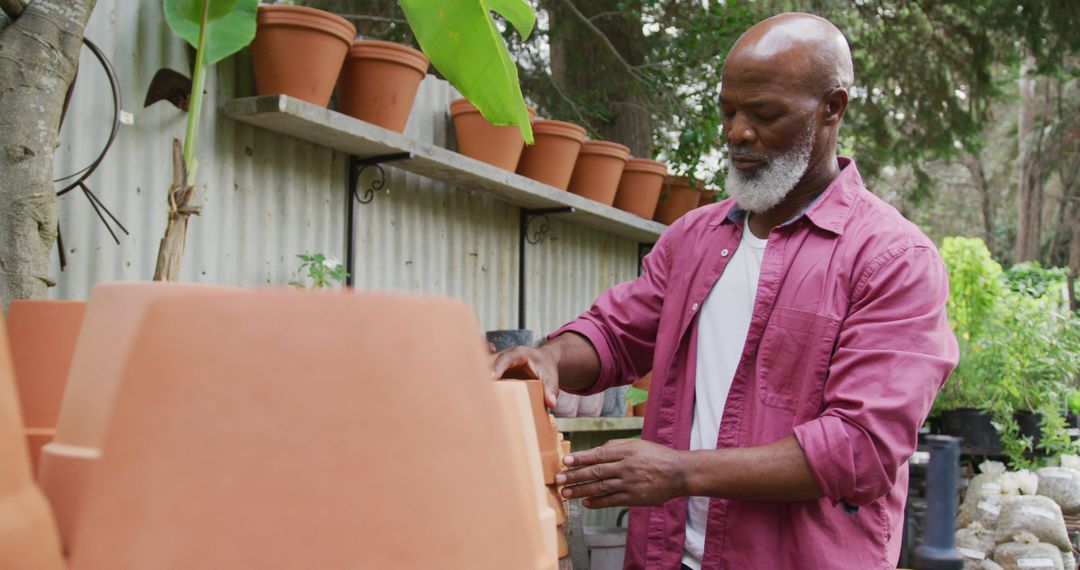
<point x="527" y="363"/>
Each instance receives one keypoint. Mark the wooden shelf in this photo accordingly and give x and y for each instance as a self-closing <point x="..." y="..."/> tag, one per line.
<point x="600" y="424"/>
<point x="305" y="121"/>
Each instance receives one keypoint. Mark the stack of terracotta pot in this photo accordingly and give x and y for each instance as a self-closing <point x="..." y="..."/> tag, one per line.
<point x="207" y="427"/>
<point x="304" y="52"/>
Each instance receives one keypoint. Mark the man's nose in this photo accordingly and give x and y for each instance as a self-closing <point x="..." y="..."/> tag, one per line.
<point x="739" y="132"/>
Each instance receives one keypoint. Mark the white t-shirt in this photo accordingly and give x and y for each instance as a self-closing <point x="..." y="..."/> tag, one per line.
<point x="722" y="327"/>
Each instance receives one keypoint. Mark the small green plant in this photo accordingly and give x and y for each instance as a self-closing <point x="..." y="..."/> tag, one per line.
<point x="636" y="396"/>
<point x="322" y="271"/>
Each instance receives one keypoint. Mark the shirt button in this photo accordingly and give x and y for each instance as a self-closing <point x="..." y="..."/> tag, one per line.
<point x="695" y="307"/>
<point x="724" y="252"/>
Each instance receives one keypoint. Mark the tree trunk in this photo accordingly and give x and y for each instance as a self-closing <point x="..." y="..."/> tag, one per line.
<point x="1074" y="251"/>
<point x="1028" y="210"/>
<point x="39" y="53"/>
<point x="596" y="56"/>
<point x="978" y="178"/>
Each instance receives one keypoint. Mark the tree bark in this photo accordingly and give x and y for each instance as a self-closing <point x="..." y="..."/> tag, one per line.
<point x="39" y="54"/>
<point x="1027" y="208"/>
<point x="181" y="196"/>
<point x="596" y="57"/>
<point x="978" y="178"/>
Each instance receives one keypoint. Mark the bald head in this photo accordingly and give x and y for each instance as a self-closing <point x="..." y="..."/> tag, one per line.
<point x="810" y="49"/>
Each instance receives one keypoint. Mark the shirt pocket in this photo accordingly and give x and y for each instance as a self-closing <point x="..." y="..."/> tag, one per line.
<point x="793" y="358"/>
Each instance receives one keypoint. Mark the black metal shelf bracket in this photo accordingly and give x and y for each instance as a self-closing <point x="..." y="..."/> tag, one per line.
<point x="528" y="216"/>
<point x="357" y="166"/>
<point x="643" y="249"/>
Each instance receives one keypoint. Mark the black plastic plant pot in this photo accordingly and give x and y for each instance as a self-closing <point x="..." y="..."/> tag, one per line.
<point x="973" y="426"/>
<point x="504" y="339"/>
<point x="1029" y="426"/>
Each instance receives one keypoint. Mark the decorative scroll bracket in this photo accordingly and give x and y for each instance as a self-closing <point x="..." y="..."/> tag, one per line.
<point x="357" y="166"/>
<point x="525" y="237"/>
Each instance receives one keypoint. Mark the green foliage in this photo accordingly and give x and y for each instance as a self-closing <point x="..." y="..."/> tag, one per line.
<point x="636" y="396"/>
<point x="323" y="272"/>
<point x="216" y="29"/>
<point x="230" y="27"/>
<point x="465" y="46"/>
<point x="1019" y="351"/>
<point x="1032" y="280"/>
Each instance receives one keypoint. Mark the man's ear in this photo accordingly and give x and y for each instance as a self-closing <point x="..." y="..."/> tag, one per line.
<point x="836" y="103"/>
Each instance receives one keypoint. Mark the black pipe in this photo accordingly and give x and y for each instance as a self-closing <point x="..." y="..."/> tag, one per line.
<point x="938" y="550"/>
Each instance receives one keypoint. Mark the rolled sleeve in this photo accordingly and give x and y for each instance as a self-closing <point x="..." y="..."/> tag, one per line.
<point x="622" y="323"/>
<point x="894" y="352"/>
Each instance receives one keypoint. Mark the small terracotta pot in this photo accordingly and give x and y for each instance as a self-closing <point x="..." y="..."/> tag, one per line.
<point x="299" y="51"/>
<point x="677" y="197"/>
<point x="379" y="81"/>
<point x="598" y="169"/>
<point x="708" y="196"/>
<point x="550" y="159"/>
<point x="28" y="536"/>
<point x="43" y="335"/>
<point x="640" y="185"/>
<point x="546" y="433"/>
<point x="479" y="139"/>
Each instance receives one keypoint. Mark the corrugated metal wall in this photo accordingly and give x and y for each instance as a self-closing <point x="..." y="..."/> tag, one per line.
<point x="270" y="197"/>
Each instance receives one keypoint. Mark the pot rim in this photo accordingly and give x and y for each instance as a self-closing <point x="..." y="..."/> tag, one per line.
<point x="390" y="51"/>
<point x="281" y="15"/>
<point x="559" y="129"/>
<point x="606" y="148"/>
<point x="463" y="106"/>
<point x="646" y="165"/>
<point x="682" y="182"/>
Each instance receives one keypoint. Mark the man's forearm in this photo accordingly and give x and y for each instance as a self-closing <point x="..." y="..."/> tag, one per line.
<point x="579" y="365"/>
<point x="775" y="472"/>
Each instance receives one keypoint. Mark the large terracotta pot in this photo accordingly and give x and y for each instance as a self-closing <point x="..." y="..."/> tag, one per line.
<point x="299" y="51"/>
<point x="639" y="187"/>
<point x="379" y="81"/>
<point x="42" y="335"/>
<point x="110" y="324"/>
<point x="266" y="430"/>
<point x="551" y="157"/>
<point x="27" y="532"/>
<point x="676" y="198"/>
<point x="517" y="414"/>
<point x="479" y="139"/>
<point x="598" y="169"/>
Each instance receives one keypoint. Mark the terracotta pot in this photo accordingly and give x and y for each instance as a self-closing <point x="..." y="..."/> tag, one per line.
<point x="43" y="335"/>
<point x="517" y="415"/>
<point x="236" y="442"/>
<point x="677" y="197"/>
<point x="299" y="51"/>
<point x="479" y="139"/>
<point x="639" y="187"/>
<point x="551" y="157"/>
<point x="643" y="383"/>
<point x="598" y="169"/>
<point x="708" y="196"/>
<point x="546" y="433"/>
<point x="27" y="532"/>
<point x="379" y="81"/>
<point x="109" y="327"/>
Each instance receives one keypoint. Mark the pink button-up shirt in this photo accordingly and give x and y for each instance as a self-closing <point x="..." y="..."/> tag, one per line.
<point x="847" y="347"/>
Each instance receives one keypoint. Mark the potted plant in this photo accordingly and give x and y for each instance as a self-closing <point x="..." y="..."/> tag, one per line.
<point x="598" y="169"/>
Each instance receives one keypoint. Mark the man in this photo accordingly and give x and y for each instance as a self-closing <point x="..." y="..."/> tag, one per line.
<point x="796" y="335"/>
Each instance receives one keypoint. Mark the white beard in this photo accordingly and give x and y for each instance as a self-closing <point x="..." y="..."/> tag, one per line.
<point x="761" y="191"/>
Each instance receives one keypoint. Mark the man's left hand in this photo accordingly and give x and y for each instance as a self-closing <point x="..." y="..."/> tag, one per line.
<point x="624" y="472"/>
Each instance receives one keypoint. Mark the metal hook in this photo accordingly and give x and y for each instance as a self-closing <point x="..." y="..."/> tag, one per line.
<point x="359" y="165"/>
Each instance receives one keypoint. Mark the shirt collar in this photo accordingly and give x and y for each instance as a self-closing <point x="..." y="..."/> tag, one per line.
<point x="829" y="211"/>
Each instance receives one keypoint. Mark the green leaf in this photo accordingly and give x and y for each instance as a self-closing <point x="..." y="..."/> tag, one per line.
<point x="193" y="9"/>
<point x="636" y="396"/>
<point x="225" y="35"/>
<point x="463" y="43"/>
